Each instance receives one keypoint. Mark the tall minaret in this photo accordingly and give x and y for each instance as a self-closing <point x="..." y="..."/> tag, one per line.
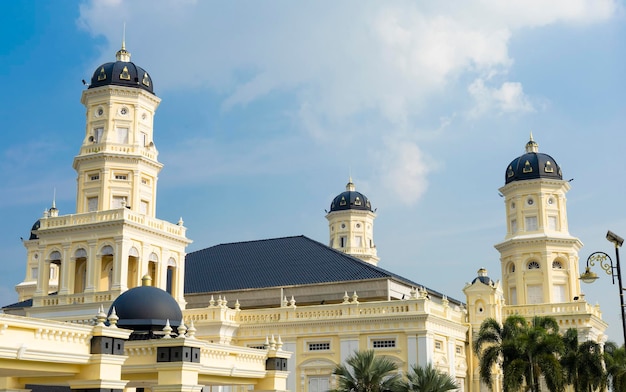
<point x="351" y="225"/>
<point x="539" y="257"/>
<point x="117" y="164"/>
<point x="114" y="238"/>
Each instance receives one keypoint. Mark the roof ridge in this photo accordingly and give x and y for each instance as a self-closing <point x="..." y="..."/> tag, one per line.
<point x="250" y="241"/>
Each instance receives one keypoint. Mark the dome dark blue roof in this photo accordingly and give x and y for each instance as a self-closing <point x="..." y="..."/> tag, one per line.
<point x="483" y="278"/>
<point x="122" y="72"/>
<point x="350" y="200"/>
<point x="532" y="165"/>
<point x="146" y="309"/>
<point x="36" y="226"/>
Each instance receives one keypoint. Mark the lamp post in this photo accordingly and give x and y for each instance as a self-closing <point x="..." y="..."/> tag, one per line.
<point x="614" y="270"/>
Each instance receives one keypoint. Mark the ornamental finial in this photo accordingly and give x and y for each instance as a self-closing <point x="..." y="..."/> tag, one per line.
<point x="123" y="54"/>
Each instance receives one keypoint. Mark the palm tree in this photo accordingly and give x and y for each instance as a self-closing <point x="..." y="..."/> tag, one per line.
<point x="428" y="379"/>
<point x="526" y="351"/>
<point x="582" y="363"/>
<point x="365" y="372"/>
<point x="615" y="359"/>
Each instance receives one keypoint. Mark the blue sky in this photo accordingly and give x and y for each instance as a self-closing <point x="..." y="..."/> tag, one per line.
<point x="268" y="107"/>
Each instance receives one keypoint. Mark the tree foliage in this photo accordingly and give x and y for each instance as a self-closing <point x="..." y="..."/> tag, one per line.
<point x="428" y="379"/>
<point x="526" y="351"/>
<point x="615" y="360"/>
<point x="366" y="372"/>
<point x="363" y="371"/>
<point x="582" y="363"/>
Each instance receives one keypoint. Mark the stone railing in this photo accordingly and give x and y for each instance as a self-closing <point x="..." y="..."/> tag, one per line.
<point x="116" y="148"/>
<point x="110" y="216"/>
<point x="563" y="309"/>
<point x="73" y="299"/>
<point x="348" y="310"/>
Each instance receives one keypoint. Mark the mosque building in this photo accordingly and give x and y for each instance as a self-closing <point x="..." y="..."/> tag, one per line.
<point x="273" y="314"/>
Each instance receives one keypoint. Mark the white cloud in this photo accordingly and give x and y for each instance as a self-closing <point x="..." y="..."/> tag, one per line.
<point x="509" y="98"/>
<point x="355" y="70"/>
<point x="404" y="172"/>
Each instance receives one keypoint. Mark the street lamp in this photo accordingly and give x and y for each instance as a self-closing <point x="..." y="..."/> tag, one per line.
<point x="614" y="270"/>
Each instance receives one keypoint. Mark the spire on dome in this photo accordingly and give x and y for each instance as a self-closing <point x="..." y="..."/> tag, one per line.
<point x="532" y="145"/>
<point x="350" y="185"/>
<point x="53" y="211"/>
<point x="123" y="54"/>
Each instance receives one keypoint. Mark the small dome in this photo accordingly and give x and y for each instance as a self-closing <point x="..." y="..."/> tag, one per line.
<point x="483" y="278"/>
<point x="532" y="165"/>
<point x="36" y="226"/>
<point x="350" y="200"/>
<point x="122" y="73"/>
<point x="146" y="309"/>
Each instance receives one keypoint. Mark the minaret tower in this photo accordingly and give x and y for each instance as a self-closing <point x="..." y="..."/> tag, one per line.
<point x="114" y="238"/>
<point x="351" y="225"/>
<point x="539" y="257"/>
<point x="117" y="164"/>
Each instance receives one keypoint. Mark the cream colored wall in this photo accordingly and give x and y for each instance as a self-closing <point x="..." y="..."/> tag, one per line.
<point x="549" y="247"/>
<point x="423" y="330"/>
<point x="110" y="108"/>
<point x="350" y="224"/>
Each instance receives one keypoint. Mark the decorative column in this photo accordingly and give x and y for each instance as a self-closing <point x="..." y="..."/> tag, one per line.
<point x="91" y="267"/>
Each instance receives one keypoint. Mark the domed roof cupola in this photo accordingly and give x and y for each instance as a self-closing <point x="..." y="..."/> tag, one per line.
<point x="146" y="310"/>
<point x="350" y="200"/>
<point x="532" y="165"/>
<point x="122" y="73"/>
<point x="483" y="278"/>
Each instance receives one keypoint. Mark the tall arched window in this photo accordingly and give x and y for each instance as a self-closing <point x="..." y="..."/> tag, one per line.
<point x="171" y="275"/>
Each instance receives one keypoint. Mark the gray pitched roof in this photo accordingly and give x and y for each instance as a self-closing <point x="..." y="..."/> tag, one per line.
<point x="275" y="262"/>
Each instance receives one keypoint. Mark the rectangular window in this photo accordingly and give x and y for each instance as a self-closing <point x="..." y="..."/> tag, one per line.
<point x="122" y="135"/>
<point x="144" y="139"/>
<point x="358" y="241"/>
<point x="321" y="346"/>
<point x="513" y="225"/>
<point x="97" y="134"/>
<point x="143" y="207"/>
<point x="121" y="176"/>
<point x="535" y="294"/>
<point x="319" y="384"/>
<point x="559" y="293"/>
<point x="145" y="181"/>
<point x="118" y="202"/>
<point x="343" y="241"/>
<point x="258" y="346"/>
<point x="34" y="272"/>
<point x="92" y="204"/>
<point x="384" y="343"/>
<point x="552" y="223"/>
<point x="513" y="296"/>
<point x="531" y="223"/>
<point x="94" y="177"/>
<point x="438" y="345"/>
<point x="459" y="350"/>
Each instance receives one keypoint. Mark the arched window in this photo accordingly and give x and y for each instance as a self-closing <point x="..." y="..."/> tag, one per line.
<point x="80" y="268"/>
<point x="512" y="267"/>
<point x="171" y="275"/>
<point x="107" y="250"/>
<point x="533" y="265"/>
<point x="557" y="265"/>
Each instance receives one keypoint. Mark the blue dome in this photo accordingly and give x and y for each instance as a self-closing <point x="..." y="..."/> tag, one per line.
<point x="483" y="278"/>
<point x="146" y="309"/>
<point x="532" y="165"/>
<point x="350" y="200"/>
<point x="122" y="73"/>
<point x="36" y="226"/>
